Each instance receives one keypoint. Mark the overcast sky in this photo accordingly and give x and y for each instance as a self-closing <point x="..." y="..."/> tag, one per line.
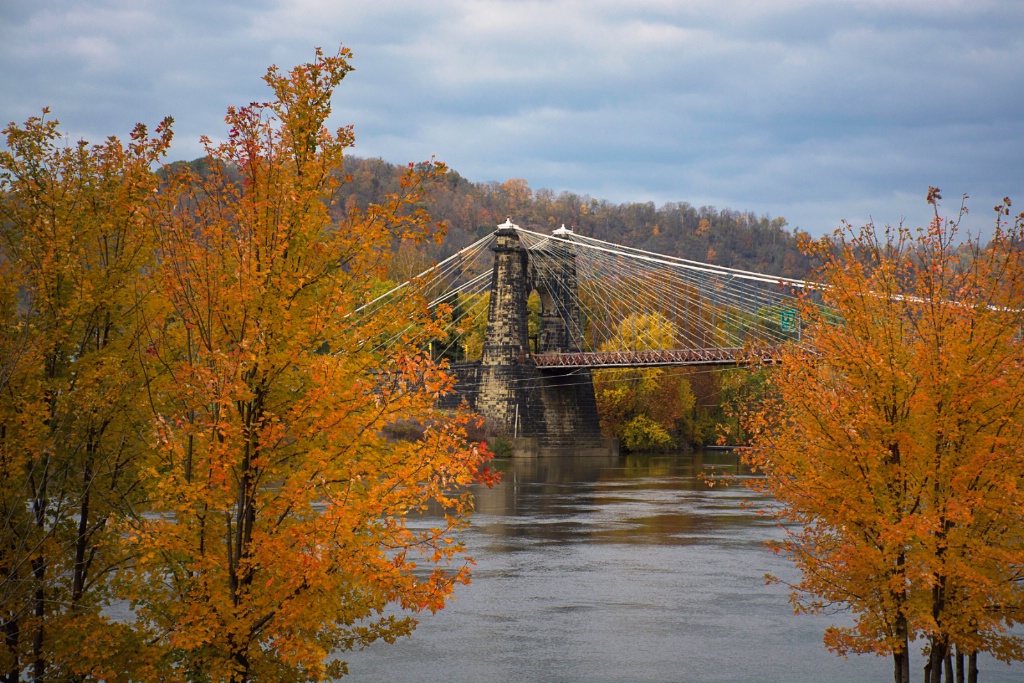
<point x="814" y="110"/>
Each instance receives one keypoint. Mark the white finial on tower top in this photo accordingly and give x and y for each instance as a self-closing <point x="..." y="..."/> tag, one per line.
<point x="508" y="225"/>
<point x="562" y="231"/>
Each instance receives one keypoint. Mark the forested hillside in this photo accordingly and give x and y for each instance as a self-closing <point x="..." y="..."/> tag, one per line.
<point x="738" y="239"/>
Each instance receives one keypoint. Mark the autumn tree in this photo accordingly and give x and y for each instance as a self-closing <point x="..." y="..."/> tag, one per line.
<point x="892" y="440"/>
<point x="645" y="408"/>
<point x="73" y="252"/>
<point x="280" y="528"/>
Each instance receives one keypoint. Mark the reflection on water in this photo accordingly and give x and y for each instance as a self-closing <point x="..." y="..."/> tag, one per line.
<point x="625" y="569"/>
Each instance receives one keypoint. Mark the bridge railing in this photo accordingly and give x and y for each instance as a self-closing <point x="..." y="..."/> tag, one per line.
<point x="620" y="359"/>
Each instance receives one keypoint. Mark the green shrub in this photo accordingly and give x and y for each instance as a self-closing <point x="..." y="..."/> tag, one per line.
<point x="644" y="434"/>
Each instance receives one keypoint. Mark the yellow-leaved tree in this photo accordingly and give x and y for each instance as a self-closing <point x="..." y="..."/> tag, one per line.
<point x="643" y="407"/>
<point x="893" y="439"/>
<point x="75" y="249"/>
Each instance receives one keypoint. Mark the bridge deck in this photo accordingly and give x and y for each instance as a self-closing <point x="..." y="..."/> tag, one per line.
<point x="632" y="359"/>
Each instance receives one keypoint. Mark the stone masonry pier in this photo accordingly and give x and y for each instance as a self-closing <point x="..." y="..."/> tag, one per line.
<point x="545" y="411"/>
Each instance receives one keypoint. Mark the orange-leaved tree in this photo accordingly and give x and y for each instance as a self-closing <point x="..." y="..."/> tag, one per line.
<point x="893" y="439"/>
<point x="74" y="250"/>
<point x="285" y="527"/>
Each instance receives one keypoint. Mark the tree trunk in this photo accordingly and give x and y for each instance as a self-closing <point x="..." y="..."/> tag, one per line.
<point x="240" y="657"/>
<point x="948" y="662"/>
<point x="901" y="667"/>
<point x="901" y="659"/>
<point x="39" y="610"/>
<point x="82" y="542"/>
<point x="959" y="665"/>
<point x="972" y="668"/>
<point x="12" y="633"/>
<point x="936" y="659"/>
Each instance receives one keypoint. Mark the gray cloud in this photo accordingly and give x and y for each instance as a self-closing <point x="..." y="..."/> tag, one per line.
<point x="810" y="110"/>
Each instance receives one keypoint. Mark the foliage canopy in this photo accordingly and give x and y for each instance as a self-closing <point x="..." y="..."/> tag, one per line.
<point x="195" y="410"/>
<point x="893" y="441"/>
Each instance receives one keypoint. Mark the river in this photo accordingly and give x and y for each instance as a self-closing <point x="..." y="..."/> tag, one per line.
<point x="625" y="569"/>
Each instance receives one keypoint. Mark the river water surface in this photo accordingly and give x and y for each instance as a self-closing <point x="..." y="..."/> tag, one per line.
<point x="624" y="569"/>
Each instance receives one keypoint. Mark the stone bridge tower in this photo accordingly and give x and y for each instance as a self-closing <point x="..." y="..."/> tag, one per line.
<point x="553" y="409"/>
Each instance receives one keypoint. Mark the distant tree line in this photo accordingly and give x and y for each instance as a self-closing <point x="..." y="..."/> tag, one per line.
<point x="737" y="239"/>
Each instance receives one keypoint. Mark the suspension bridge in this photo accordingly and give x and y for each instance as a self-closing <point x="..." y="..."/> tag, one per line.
<point x="531" y="315"/>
